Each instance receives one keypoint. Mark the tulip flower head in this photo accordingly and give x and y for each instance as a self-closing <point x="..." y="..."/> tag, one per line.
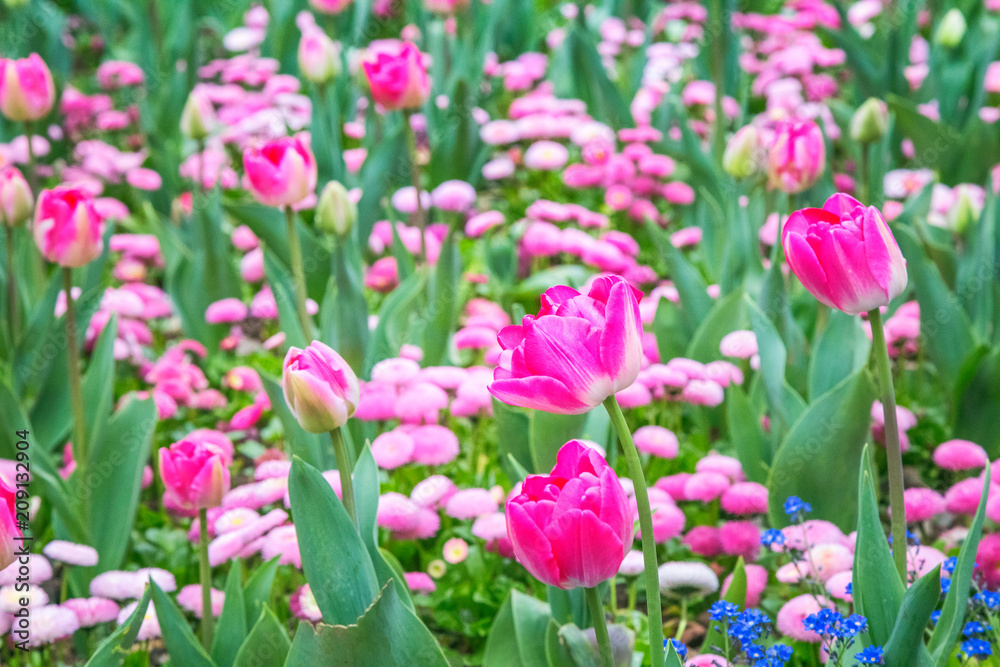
<point x="845" y="255"/>
<point x="573" y="527"/>
<point x="68" y="229"/>
<point x="8" y="524"/>
<point x="578" y="351"/>
<point x="15" y="197"/>
<point x="194" y="475"/>
<point x="398" y="80"/>
<point x="797" y="156"/>
<point x="282" y="172"/>
<point x="26" y="88"/>
<point x="320" y="388"/>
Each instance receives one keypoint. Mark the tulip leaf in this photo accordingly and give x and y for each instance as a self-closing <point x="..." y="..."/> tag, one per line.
<point x="231" y="630"/>
<point x="267" y="642"/>
<point x="350" y="307"/>
<point x="952" y="618"/>
<point x="530" y="621"/>
<point x="579" y="73"/>
<point x="841" y="349"/>
<point x="821" y="450"/>
<point x="695" y="303"/>
<point x="366" y="495"/>
<point x="257" y="591"/>
<point x="944" y="325"/>
<point x="398" y="319"/>
<point x="182" y="646"/>
<point x="671" y="336"/>
<point x="727" y="315"/>
<point x="785" y="402"/>
<point x="283" y="288"/>
<point x="41" y="329"/>
<point x="501" y="643"/>
<point x="387" y="635"/>
<point x="98" y="384"/>
<point x="876" y="588"/>
<point x="905" y="645"/>
<point x="737" y="595"/>
<point x="116" y="647"/>
<point x="671" y="659"/>
<point x="386" y="168"/>
<point x="336" y="563"/>
<point x="442" y="299"/>
<point x="557" y="653"/>
<point x="584" y="653"/>
<point x="746" y="435"/>
<point x="533" y="437"/>
<point x="307" y="446"/>
<point x="977" y="393"/>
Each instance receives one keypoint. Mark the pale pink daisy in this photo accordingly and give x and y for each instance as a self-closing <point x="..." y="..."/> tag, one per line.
<point x="470" y="503"/>
<point x="92" y="611"/>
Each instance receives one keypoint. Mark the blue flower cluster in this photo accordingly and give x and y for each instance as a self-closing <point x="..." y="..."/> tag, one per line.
<point x="838" y="630"/>
<point x="976" y="648"/>
<point x="772" y="536"/>
<point x="679" y="646"/>
<point x="870" y="656"/>
<point x="748" y="627"/>
<point x="796" y="508"/>
<point x="988" y="599"/>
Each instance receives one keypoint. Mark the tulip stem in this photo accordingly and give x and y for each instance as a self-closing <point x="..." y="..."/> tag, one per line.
<point x="12" y="311"/>
<point x="415" y="178"/>
<point x="205" y="571"/>
<point x="600" y="626"/>
<point x="32" y="175"/>
<point x="894" y="456"/>
<point x="863" y="175"/>
<point x="654" y="612"/>
<point x="75" y="390"/>
<point x="682" y="625"/>
<point x="344" y="468"/>
<point x="298" y="274"/>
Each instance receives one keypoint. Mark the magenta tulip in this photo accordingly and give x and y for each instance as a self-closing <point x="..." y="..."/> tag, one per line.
<point x="26" y="88"/>
<point x="574" y="526"/>
<point x="330" y="6"/>
<point x="398" y="80"/>
<point x="845" y="255"/>
<point x="68" y="229"/>
<point x="576" y="352"/>
<point x="320" y="388"/>
<point x="282" y="172"/>
<point x="194" y="475"/>
<point x="8" y="524"/>
<point x="797" y="156"/>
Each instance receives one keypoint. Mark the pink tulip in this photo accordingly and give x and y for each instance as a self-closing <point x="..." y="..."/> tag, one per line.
<point x="282" y="172"/>
<point x="194" y="475"/>
<point x="398" y="80"/>
<point x="845" y="255"/>
<point x="320" y="388"/>
<point x="446" y="6"/>
<point x="26" y="88"/>
<point x="797" y="156"/>
<point x="8" y="524"/>
<point x="330" y="6"/>
<point x="15" y="197"/>
<point x="575" y="353"/>
<point x="574" y="526"/>
<point x="68" y="229"/>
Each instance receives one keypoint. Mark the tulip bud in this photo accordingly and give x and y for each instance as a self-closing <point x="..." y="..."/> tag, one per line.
<point x="197" y="116"/>
<point x="742" y="158"/>
<point x="194" y="475"/>
<point x="26" y="88"/>
<point x="319" y="56"/>
<point x="870" y="121"/>
<point x="966" y="207"/>
<point x="16" y="200"/>
<point x="951" y="29"/>
<point x="282" y="172"/>
<point x="320" y="388"/>
<point x="398" y="80"/>
<point x="797" y="156"/>
<point x="336" y="213"/>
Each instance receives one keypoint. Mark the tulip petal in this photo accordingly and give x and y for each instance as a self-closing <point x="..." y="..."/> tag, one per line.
<point x="807" y="267"/>
<point x="586" y="550"/>
<point x="531" y="547"/>
<point x="885" y="260"/>
<point x="540" y="393"/>
<point x="563" y="348"/>
<point x="621" y="339"/>
<point x="852" y="288"/>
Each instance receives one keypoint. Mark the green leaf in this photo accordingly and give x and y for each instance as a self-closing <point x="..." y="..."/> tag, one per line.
<point x="388" y="635"/>
<point x="232" y="627"/>
<point x="582" y="76"/>
<point x="746" y="434"/>
<point x="366" y="495"/>
<point x="842" y="348"/>
<point x="307" y="446"/>
<point x="350" y="305"/>
<point x="944" y="325"/>
<point x="556" y="652"/>
<point x="876" y="588"/>
<point x="952" y="618"/>
<point x="671" y="658"/>
<point x="257" y="591"/>
<point x="533" y="437"/>
<point x="531" y="618"/>
<point x="266" y="644"/>
<point x="695" y="303"/>
<point x="977" y="393"/>
<point x="737" y="595"/>
<point x="728" y="314"/>
<point x="397" y="319"/>
<point x="116" y="647"/>
<point x="98" y="384"/>
<point x="183" y="647"/>
<point x="784" y="401"/>
<point x="583" y="652"/>
<point x="283" y="287"/>
<point x="334" y="558"/>
<point x="672" y="339"/>
<point x="821" y="450"/>
<point x="501" y="643"/>
<point x="906" y="645"/>
<point x="443" y="297"/>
